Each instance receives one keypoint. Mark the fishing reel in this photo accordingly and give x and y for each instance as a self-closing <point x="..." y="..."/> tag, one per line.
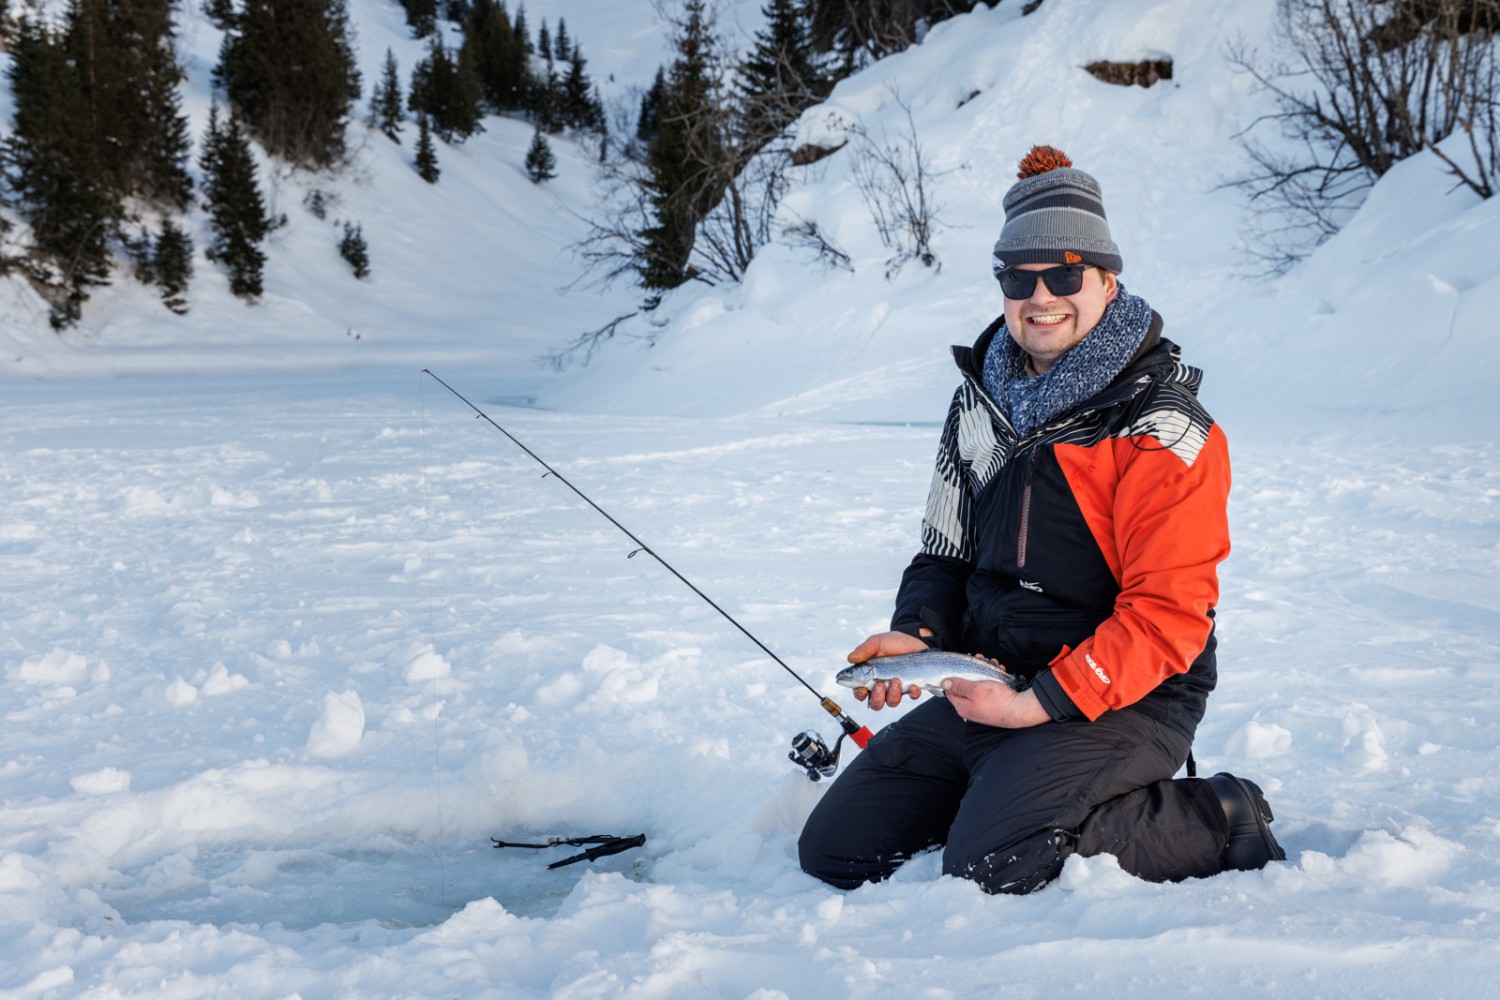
<point x="810" y="753"/>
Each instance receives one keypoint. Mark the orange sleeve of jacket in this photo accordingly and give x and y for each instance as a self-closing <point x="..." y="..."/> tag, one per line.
<point x="1160" y="516"/>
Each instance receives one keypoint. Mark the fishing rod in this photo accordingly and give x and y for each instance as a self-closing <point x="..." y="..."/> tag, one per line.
<point x="809" y="751"/>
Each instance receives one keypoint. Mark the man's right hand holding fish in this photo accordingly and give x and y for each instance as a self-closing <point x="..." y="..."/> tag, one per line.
<point x="886" y="644"/>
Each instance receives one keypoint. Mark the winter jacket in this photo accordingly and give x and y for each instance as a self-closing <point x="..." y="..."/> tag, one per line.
<point x="1085" y="556"/>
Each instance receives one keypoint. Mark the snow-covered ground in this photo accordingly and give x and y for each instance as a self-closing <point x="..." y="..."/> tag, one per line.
<point x="288" y="634"/>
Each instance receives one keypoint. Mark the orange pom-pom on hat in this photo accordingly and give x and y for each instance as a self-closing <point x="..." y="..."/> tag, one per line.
<point x="1040" y="160"/>
<point x="1054" y="214"/>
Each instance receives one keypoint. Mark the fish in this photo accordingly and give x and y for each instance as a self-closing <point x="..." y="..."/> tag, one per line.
<point x="926" y="670"/>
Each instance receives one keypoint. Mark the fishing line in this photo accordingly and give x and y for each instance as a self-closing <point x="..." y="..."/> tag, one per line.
<point x="437" y="742"/>
<point x="569" y="501"/>
<point x="809" y="752"/>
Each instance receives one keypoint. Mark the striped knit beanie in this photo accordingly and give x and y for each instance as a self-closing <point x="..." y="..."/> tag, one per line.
<point x="1054" y="215"/>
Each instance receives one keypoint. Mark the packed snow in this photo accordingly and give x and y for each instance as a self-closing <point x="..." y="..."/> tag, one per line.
<point x="289" y="634"/>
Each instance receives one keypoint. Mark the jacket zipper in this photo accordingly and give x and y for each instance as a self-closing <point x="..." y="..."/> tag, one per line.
<point x="1025" y="512"/>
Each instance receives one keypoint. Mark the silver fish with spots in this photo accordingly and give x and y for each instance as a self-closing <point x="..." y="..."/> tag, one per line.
<point x="926" y="670"/>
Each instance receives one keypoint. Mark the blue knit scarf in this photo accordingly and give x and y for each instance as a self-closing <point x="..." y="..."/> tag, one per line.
<point x="1082" y="372"/>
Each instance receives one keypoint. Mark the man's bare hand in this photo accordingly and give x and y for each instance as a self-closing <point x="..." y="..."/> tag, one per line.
<point x="991" y="703"/>
<point x="889" y="694"/>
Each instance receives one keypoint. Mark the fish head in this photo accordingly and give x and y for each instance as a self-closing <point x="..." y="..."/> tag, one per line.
<point x="861" y="675"/>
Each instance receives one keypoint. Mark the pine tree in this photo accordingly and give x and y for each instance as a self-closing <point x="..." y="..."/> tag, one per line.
<point x="237" y="211"/>
<point x="858" y="32"/>
<point x="581" y="109"/>
<point x="544" y="42"/>
<point x="220" y="13"/>
<point x="647" y="123"/>
<point x="387" y="107"/>
<point x="123" y="53"/>
<point x="447" y="92"/>
<point x="288" y="68"/>
<point x="781" y="77"/>
<point x="354" y="249"/>
<point x="541" y="164"/>
<point x="685" y="163"/>
<point x="562" y="47"/>
<point x="426" y="162"/>
<point x="421" y="15"/>
<point x="172" y="265"/>
<point x="55" y="169"/>
<point x="498" y="54"/>
<point x="547" y="102"/>
<point x="519" y="27"/>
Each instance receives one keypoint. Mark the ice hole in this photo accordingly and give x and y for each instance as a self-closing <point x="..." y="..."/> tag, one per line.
<point x="301" y="888"/>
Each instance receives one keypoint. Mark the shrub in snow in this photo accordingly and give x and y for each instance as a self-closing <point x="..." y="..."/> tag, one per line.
<point x="1358" y="87"/>
<point x="541" y="165"/>
<point x="354" y="249"/>
<point x="426" y="162"/>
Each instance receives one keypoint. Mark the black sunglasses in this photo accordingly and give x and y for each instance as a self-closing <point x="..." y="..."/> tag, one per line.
<point x="1066" y="279"/>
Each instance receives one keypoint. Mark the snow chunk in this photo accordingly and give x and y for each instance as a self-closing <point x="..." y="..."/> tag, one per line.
<point x="341" y="726"/>
<point x="1416" y="857"/>
<point x="562" y="689"/>
<point x="102" y="782"/>
<point x="427" y="666"/>
<point x="606" y="659"/>
<point x="180" y="693"/>
<point x="220" y="681"/>
<point x="1364" y="740"/>
<point x="60" y="666"/>
<point x="1258" y="741"/>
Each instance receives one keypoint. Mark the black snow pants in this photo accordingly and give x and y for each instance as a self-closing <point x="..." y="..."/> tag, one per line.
<point x="1011" y="805"/>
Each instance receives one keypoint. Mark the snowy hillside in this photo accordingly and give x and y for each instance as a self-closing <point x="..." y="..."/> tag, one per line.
<point x="450" y="262"/>
<point x="286" y="634"/>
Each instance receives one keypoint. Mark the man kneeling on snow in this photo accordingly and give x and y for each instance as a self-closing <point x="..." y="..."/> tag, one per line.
<point x="1077" y="517"/>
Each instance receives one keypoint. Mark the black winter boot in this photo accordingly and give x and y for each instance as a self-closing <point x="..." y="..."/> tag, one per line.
<point x="1251" y="845"/>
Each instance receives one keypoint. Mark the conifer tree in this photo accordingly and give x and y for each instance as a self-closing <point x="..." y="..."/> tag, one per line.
<point x="519" y="27"/>
<point x="447" y="92"/>
<point x="498" y="53"/>
<point x="387" y="107"/>
<point x="541" y="164"/>
<point x="562" y="46"/>
<point x="685" y="163"/>
<point x="220" y="13"/>
<point x="354" y="249"/>
<point x="426" y="162"/>
<point x="547" y="103"/>
<point x="781" y="77"/>
<point x="55" y="169"/>
<point x="288" y="68"/>
<point x="237" y="211"/>
<point x="172" y="264"/>
<point x="544" y="42"/>
<point x="646" y="123"/>
<point x="122" y="50"/>
<point x="421" y="15"/>
<point x="858" y="32"/>
<point x="581" y="108"/>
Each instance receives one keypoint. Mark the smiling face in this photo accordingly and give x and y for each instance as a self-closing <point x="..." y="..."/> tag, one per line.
<point x="1046" y="325"/>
